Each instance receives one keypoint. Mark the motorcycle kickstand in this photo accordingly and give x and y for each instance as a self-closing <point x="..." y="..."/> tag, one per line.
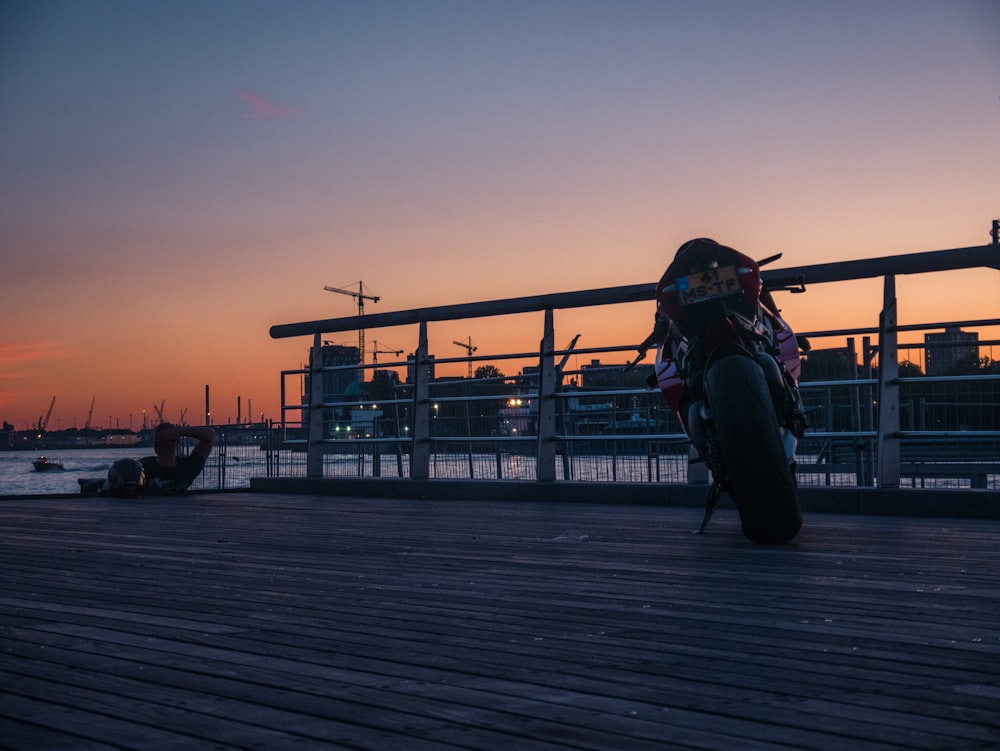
<point x="710" y="503"/>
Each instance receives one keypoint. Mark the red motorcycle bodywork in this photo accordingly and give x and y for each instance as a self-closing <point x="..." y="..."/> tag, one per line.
<point x="700" y="299"/>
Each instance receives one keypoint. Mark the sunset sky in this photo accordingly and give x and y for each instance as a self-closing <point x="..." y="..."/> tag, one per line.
<point x="177" y="177"/>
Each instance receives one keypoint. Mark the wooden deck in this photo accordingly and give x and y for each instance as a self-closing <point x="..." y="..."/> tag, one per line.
<point x="259" y="621"/>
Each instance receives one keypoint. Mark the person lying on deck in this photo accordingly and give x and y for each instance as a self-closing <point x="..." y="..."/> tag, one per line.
<point x="166" y="472"/>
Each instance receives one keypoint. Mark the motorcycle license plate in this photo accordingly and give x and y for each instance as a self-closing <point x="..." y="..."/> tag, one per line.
<point x="708" y="285"/>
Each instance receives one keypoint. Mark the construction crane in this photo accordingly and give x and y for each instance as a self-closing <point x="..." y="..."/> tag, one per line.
<point x="159" y="410"/>
<point x="360" y="296"/>
<point x="567" y="353"/>
<point x="467" y="346"/>
<point x="376" y="352"/>
<point x="43" y="424"/>
<point x="90" y="414"/>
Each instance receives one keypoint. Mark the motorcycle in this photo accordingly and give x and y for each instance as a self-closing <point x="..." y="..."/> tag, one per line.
<point x="728" y="365"/>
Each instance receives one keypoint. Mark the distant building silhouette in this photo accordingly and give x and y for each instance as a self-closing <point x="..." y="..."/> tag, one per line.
<point x="336" y="382"/>
<point x="338" y="385"/>
<point x="830" y="364"/>
<point x="947" y="349"/>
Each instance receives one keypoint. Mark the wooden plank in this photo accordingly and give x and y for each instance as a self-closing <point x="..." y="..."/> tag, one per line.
<point x="434" y="625"/>
<point x="90" y="727"/>
<point x="22" y="734"/>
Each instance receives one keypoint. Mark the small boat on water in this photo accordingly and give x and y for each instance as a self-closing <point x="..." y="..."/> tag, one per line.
<point x="45" y="465"/>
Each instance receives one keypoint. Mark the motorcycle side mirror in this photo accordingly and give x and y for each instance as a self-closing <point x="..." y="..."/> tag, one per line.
<point x="795" y="285"/>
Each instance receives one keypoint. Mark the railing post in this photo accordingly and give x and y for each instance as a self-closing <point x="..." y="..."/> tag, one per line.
<point x="420" y="462"/>
<point x="545" y="462"/>
<point x="868" y="413"/>
<point x="221" y="444"/>
<point x="888" y="389"/>
<point x="314" y="436"/>
<point x="856" y="418"/>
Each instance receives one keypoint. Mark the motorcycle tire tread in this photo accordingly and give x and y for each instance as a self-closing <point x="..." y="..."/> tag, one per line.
<point x="757" y="474"/>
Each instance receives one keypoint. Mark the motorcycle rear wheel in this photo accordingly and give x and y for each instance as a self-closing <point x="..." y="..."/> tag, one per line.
<point x="757" y="474"/>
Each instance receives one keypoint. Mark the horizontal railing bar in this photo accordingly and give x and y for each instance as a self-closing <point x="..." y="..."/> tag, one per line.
<point x="626" y="437"/>
<point x="976" y="256"/>
<point x="907" y="327"/>
<point x="477" y="398"/>
<point x="350" y="441"/>
<point x="970" y="435"/>
<point x="963" y="404"/>
<point x="913" y="263"/>
<point x="355" y="403"/>
<point x="950" y="379"/>
<point x="596" y="350"/>
<point x="477" y="358"/>
<point x="512" y="306"/>
<point x="484" y="439"/>
<point x="605" y="392"/>
<point x="840" y="434"/>
<point x="845" y="382"/>
<point x="336" y="368"/>
<point x="592" y="351"/>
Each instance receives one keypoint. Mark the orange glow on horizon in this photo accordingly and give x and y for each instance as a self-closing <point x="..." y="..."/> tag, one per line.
<point x="151" y="235"/>
<point x="126" y="387"/>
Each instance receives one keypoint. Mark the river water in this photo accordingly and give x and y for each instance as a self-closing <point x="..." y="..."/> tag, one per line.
<point x="226" y="468"/>
<point x="234" y="465"/>
<point x="19" y="477"/>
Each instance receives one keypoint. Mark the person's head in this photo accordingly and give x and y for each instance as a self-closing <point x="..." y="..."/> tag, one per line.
<point x="163" y="443"/>
<point x="126" y="477"/>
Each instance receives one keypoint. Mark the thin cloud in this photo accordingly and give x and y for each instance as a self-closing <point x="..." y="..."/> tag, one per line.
<point x="20" y="364"/>
<point x="18" y="353"/>
<point x="260" y="107"/>
<point x="22" y="360"/>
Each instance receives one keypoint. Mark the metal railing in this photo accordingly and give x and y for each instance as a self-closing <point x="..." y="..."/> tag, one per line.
<point x="872" y="424"/>
<point x="240" y="453"/>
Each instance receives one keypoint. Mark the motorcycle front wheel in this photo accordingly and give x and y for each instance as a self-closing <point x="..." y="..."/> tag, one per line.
<point x="757" y="473"/>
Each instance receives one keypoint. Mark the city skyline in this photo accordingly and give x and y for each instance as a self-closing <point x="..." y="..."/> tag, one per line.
<point x="177" y="177"/>
<point x="952" y="349"/>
